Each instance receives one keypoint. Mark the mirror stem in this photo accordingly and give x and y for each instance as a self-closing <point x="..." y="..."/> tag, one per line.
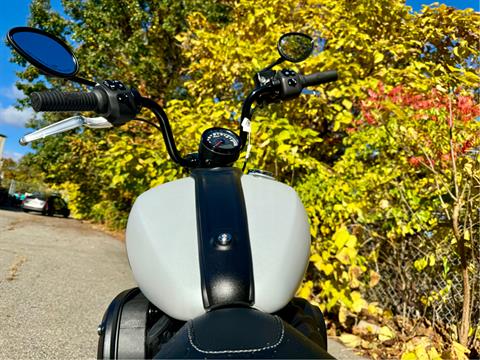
<point x="82" y="81"/>
<point x="278" y="61"/>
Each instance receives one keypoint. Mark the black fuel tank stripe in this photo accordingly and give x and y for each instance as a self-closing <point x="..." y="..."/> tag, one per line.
<point x="223" y="242"/>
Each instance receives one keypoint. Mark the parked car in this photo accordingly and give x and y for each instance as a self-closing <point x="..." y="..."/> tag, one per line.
<point x="47" y="205"/>
<point x="3" y="196"/>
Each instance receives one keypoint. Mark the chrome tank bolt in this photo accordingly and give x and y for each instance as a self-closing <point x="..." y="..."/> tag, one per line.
<point x="224" y="239"/>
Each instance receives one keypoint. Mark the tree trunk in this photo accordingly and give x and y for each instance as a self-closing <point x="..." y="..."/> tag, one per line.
<point x="465" y="324"/>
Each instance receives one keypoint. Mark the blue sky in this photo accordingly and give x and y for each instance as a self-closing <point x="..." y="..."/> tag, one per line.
<point x="14" y="13"/>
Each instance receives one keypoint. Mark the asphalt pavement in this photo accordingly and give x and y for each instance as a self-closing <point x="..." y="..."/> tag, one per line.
<point x="57" y="277"/>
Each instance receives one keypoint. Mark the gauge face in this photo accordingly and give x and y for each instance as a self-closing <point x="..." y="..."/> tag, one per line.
<point x="221" y="140"/>
<point x="218" y="147"/>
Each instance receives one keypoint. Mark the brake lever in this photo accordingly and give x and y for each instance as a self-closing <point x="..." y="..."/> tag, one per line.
<point x="65" y="125"/>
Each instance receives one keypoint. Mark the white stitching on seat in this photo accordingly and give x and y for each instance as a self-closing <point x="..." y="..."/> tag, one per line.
<point x="237" y="351"/>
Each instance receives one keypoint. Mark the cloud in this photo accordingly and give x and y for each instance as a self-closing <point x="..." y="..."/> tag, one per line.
<point x="11" y="92"/>
<point x="12" y="155"/>
<point x="12" y="116"/>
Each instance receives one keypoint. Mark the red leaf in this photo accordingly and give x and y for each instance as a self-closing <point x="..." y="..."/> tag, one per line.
<point x="415" y="161"/>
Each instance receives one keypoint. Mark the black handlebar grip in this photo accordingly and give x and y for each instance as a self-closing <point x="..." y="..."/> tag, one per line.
<point x="64" y="101"/>
<point x="319" y="78"/>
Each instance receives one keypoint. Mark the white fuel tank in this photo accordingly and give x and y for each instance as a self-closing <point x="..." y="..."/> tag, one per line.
<point x="163" y="250"/>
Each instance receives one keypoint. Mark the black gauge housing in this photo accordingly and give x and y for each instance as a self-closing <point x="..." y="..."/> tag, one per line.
<point x="218" y="147"/>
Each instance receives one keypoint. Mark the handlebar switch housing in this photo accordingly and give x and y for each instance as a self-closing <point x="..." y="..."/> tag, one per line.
<point x="122" y="103"/>
<point x="290" y="84"/>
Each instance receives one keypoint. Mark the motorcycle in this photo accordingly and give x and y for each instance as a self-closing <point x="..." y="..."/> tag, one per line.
<point x="218" y="255"/>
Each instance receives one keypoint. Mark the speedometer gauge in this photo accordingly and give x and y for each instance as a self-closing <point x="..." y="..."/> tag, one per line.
<point x="221" y="140"/>
<point x="219" y="147"/>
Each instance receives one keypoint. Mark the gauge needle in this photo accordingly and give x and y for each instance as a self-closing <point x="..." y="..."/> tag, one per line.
<point x="219" y="142"/>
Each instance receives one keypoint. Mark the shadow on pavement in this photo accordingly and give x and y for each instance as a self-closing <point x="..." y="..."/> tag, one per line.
<point x="10" y="207"/>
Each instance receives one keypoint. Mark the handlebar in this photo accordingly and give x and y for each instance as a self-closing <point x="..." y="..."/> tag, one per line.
<point x="318" y="78"/>
<point x="113" y="101"/>
<point x="281" y="85"/>
<point x="110" y="99"/>
<point x="118" y="105"/>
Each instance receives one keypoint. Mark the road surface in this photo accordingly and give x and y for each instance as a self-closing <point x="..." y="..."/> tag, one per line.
<point x="57" y="277"/>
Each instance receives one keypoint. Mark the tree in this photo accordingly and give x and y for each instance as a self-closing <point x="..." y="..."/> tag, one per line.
<point x="439" y="134"/>
<point x="8" y="168"/>
<point x="351" y="178"/>
<point x="26" y="174"/>
<point x="131" y="41"/>
<point x="345" y="178"/>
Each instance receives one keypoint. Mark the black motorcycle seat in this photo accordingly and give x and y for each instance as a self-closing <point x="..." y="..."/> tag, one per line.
<point x="240" y="333"/>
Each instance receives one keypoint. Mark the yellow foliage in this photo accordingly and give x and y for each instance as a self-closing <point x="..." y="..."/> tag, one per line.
<point x="346" y="255"/>
<point x="460" y="352"/>
<point x="344" y="179"/>
<point x="420" y="348"/>
<point x="420" y="264"/>
<point x="343" y="238"/>
<point x="358" y="303"/>
<point x="305" y="290"/>
<point x="350" y="340"/>
<point x="385" y="333"/>
<point x="342" y="315"/>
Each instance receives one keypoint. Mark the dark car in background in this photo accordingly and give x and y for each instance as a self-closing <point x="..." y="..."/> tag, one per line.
<point x="47" y="205"/>
<point x="3" y="196"/>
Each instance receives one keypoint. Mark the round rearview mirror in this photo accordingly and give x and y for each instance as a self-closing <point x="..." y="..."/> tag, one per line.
<point x="295" y="47"/>
<point x="43" y="50"/>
